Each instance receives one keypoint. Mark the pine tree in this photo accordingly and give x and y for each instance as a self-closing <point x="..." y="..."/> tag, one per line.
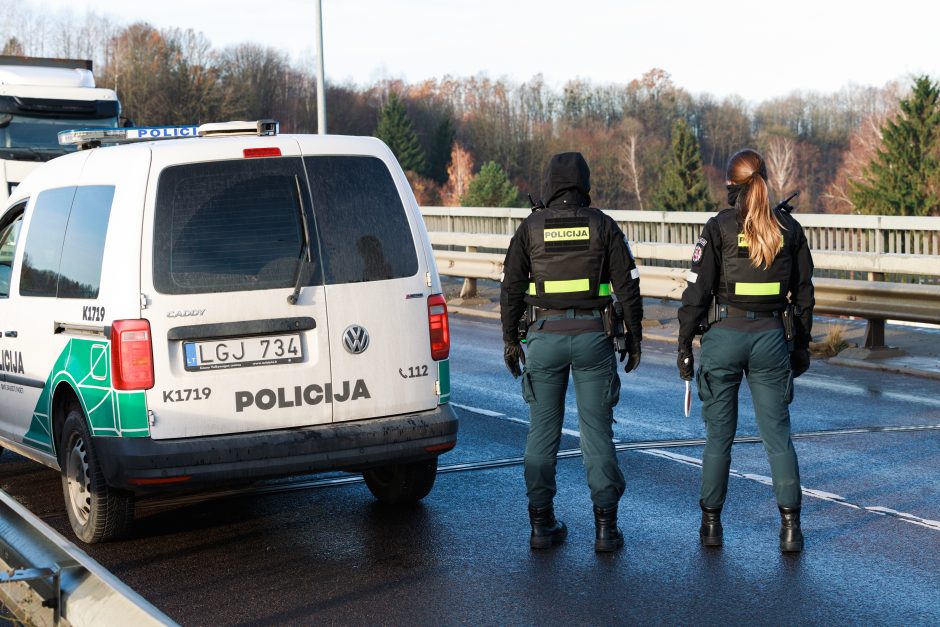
<point x="902" y="178"/>
<point x="491" y="187"/>
<point x="439" y="157"/>
<point x="683" y="186"/>
<point x="396" y="130"/>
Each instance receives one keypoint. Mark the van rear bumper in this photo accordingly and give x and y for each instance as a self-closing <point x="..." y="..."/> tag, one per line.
<point x="144" y="463"/>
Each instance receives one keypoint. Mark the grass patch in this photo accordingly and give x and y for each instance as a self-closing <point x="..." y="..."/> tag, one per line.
<point x="833" y="343"/>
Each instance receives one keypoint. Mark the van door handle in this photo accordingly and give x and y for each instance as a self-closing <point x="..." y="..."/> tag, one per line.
<point x="11" y="333"/>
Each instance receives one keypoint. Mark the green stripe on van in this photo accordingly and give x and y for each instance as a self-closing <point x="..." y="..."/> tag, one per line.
<point x="85" y="366"/>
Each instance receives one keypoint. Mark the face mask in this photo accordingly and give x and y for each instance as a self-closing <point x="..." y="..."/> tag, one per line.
<point x="733" y="192"/>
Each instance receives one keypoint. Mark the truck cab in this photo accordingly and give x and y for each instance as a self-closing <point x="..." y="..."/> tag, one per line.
<point x="38" y="99"/>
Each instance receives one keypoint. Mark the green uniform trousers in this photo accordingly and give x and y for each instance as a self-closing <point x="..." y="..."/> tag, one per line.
<point x="762" y="356"/>
<point x="590" y="359"/>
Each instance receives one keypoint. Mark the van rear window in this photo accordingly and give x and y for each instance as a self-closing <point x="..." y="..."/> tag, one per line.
<point x="228" y="226"/>
<point x="363" y="229"/>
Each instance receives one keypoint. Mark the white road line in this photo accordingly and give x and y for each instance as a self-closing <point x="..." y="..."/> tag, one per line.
<point x="817" y="494"/>
<point x="496" y="414"/>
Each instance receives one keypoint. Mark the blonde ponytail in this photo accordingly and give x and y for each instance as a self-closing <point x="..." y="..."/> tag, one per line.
<point x="761" y="229"/>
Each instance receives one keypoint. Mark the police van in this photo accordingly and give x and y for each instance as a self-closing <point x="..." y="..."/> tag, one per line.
<point x="220" y="304"/>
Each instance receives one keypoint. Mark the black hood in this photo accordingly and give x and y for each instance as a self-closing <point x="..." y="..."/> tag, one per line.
<point x="567" y="181"/>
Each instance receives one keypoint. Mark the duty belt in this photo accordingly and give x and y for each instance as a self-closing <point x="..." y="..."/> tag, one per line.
<point x="540" y="313"/>
<point x="727" y="311"/>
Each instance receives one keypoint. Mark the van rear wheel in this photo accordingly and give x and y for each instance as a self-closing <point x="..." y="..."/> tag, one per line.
<point x="97" y="512"/>
<point x="397" y="484"/>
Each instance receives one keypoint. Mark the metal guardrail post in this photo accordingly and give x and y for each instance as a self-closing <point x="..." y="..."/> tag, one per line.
<point x="469" y="289"/>
<point x="875" y="334"/>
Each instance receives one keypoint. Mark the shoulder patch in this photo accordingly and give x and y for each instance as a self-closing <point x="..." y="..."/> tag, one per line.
<point x="697" y="253"/>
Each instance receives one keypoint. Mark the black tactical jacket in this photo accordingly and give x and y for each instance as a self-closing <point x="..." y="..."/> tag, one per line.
<point x="721" y="267"/>
<point x="569" y="254"/>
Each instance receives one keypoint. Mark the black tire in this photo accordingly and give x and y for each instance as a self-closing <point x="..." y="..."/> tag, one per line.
<point x="398" y="484"/>
<point x="97" y="512"/>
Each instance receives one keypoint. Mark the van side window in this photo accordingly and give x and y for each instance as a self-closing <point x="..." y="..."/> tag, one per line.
<point x="43" y="252"/>
<point x="83" y="249"/>
<point x="9" y="236"/>
<point x="363" y="229"/>
<point x="228" y="226"/>
<point x="65" y="242"/>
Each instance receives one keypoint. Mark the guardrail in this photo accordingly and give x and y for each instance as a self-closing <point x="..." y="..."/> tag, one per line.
<point x="875" y="301"/>
<point x="847" y="233"/>
<point x="47" y="580"/>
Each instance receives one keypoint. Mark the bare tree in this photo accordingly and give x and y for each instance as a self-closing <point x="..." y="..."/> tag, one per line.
<point x="459" y="175"/>
<point x="863" y="145"/>
<point x="781" y="169"/>
<point x="629" y="166"/>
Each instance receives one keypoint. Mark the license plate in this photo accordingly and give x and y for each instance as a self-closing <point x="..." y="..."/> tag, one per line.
<point x="243" y="352"/>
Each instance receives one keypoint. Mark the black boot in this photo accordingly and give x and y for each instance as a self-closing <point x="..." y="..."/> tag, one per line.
<point x="791" y="538"/>
<point x="710" y="533"/>
<point x="608" y="536"/>
<point x="546" y="530"/>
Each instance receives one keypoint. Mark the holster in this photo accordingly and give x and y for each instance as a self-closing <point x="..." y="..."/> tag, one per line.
<point x="789" y="326"/>
<point x="614" y="326"/>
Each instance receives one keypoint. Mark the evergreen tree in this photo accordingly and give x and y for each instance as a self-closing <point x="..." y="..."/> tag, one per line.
<point x="396" y="130"/>
<point x="683" y="186"/>
<point x="441" y="144"/>
<point x="491" y="187"/>
<point x="904" y="175"/>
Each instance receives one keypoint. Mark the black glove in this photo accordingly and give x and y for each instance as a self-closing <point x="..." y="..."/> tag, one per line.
<point x="799" y="361"/>
<point x="512" y="355"/>
<point x="633" y="348"/>
<point x="686" y="363"/>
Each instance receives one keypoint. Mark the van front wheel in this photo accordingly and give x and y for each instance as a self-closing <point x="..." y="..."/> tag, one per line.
<point x="97" y="512"/>
<point x="397" y="484"/>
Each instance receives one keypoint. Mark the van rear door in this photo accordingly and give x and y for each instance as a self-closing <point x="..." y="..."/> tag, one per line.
<point x="228" y="246"/>
<point x="375" y="274"/>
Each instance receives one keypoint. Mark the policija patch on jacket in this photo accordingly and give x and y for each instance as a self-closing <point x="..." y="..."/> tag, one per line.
<point x="699" y="249"/>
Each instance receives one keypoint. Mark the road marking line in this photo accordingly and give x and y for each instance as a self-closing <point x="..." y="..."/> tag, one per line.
<point x="520" y="421"/>
<point x="817" y="494"/>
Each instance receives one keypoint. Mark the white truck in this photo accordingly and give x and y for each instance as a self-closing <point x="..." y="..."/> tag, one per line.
<point x="38" y="98"/>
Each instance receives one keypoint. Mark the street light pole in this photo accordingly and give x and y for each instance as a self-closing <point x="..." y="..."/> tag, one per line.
<point x="321" y="83"/>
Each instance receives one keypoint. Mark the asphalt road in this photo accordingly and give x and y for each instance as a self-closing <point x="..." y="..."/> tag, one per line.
<point x="308" y="550"/>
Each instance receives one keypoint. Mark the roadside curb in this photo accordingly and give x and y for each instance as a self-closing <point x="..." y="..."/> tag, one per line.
<point x="872" y="365"/>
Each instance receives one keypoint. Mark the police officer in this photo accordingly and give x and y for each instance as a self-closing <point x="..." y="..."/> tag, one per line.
<point x="755" y="262"/>
<point x="559" y="270"/>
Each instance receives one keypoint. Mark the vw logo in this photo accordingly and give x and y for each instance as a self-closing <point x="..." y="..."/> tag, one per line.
<point x="355" y="339"/>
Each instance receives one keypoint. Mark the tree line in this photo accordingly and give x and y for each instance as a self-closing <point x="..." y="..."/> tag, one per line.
<point x="482" y="141"/>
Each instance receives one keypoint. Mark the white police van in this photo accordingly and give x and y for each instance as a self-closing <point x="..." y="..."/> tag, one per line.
<point x="225" y="307"/>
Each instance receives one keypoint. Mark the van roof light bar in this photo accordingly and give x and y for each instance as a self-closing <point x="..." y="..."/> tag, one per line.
<point x="92" y="138"/>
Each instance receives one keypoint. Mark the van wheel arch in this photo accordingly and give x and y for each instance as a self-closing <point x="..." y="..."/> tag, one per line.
<point x="64" y="400"/>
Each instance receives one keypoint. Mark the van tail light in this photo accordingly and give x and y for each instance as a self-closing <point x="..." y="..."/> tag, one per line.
<point x="438" y="327"/>
<point x="131" y="355"/>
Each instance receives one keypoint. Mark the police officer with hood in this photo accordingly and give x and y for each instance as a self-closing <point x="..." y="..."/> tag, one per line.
<point x="563" y="264"/>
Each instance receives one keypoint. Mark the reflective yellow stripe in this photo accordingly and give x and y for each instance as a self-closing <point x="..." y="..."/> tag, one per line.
<point x="742" y="241"/>
<point x="575" y="285"/>
<point x="757" y="289"/>
<point x="562" y="287"/>
<point x="562" y="235"/>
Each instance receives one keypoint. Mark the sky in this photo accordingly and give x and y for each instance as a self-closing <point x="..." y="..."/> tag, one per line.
<point x="757" y="50"/>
